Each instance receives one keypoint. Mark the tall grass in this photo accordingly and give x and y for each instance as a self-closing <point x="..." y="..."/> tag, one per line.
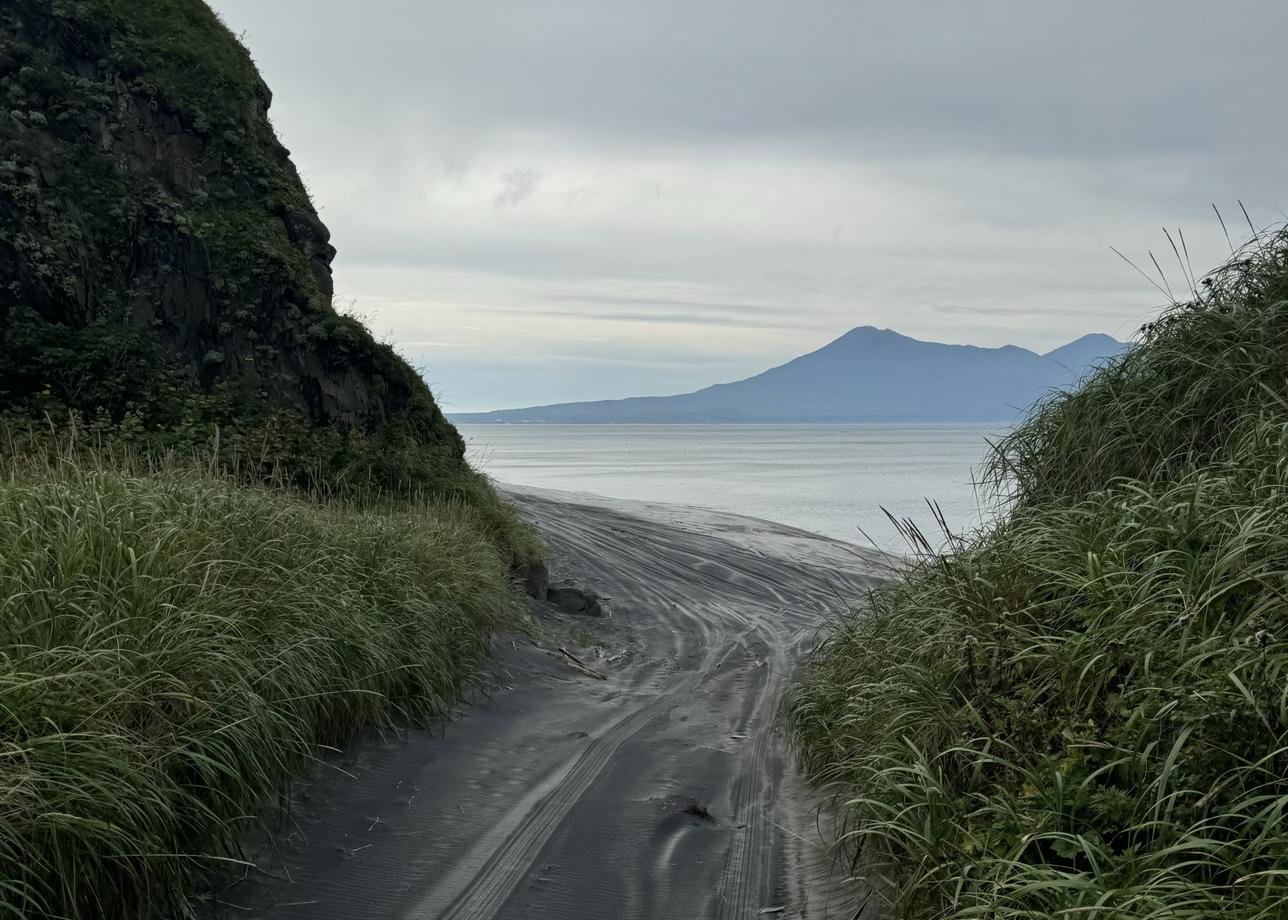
<point x="1204" y="373"/>
<point x="389" y="472"/>
<point x="1083" y="711"/>
<point x="173" y="646"/>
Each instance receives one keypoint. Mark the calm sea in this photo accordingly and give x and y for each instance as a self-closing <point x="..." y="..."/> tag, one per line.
<point x="829" y="479"/>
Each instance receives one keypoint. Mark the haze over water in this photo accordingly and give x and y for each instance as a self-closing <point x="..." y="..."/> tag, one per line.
<point x="829" y="479"/>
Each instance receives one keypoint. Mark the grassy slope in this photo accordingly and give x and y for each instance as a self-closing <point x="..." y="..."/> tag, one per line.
<point x="1085" y="710"/>
<point x="175" y="645"/>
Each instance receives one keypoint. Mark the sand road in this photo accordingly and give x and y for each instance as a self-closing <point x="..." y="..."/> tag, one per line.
<point x="664" y="791"/>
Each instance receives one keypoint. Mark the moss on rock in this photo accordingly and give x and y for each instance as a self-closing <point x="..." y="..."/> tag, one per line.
<point x="159" y="256"/>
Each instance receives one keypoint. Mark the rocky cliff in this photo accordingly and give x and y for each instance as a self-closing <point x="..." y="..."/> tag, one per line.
<point x="160" y="261"/>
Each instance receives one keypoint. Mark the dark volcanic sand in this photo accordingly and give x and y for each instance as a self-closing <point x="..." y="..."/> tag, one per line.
<point x="665" y="791"/>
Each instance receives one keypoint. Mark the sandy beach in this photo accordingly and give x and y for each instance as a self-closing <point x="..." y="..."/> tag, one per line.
<point x="663" y="790"/>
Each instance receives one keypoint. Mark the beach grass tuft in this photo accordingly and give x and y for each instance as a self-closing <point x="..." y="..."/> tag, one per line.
<point x="176" y="645"/>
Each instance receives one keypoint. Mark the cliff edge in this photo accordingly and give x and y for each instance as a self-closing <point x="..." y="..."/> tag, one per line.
<point x="161" y="265"/>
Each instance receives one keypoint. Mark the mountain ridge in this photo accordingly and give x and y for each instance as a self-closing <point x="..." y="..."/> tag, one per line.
<point x="867" y="374"/>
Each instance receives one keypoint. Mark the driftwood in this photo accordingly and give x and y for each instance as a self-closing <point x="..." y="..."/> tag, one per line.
<point x="578" y="665"/>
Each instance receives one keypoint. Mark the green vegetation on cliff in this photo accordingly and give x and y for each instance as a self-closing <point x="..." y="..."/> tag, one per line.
<point x="164" y="276"/>
<point x="1083" y="710"/>
<point x="233" y="526"/>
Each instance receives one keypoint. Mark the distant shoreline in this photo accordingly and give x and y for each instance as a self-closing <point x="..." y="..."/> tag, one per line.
<point x="468" y="419"/>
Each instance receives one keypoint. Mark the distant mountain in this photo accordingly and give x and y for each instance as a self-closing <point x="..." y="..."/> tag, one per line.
<point x="1085" y="352"/>
<point x="867" y="375"/>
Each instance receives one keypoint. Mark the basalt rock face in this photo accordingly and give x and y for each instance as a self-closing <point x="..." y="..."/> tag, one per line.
<point x="156" y="241"/>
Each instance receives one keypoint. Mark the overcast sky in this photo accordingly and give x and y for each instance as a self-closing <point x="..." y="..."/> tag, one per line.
<point x="546" y="201"/>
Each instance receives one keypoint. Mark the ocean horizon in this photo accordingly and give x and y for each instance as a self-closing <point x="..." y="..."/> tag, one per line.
<point x="837" y="480"/>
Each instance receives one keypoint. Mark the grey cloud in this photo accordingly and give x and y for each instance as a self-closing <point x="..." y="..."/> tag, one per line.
<point x="433" y="344"/>
<point x="667" y="319"/>
<point x="741" y="308"/>
<point x="770" y="170"/>
<point x="846" y="75"/>
<point x="652" y="359"/>
<point x="1036" y="309"/>
<point x="517" y="184"/>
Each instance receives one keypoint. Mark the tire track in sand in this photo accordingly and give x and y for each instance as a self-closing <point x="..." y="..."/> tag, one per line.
<point x="563" y="798"/>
